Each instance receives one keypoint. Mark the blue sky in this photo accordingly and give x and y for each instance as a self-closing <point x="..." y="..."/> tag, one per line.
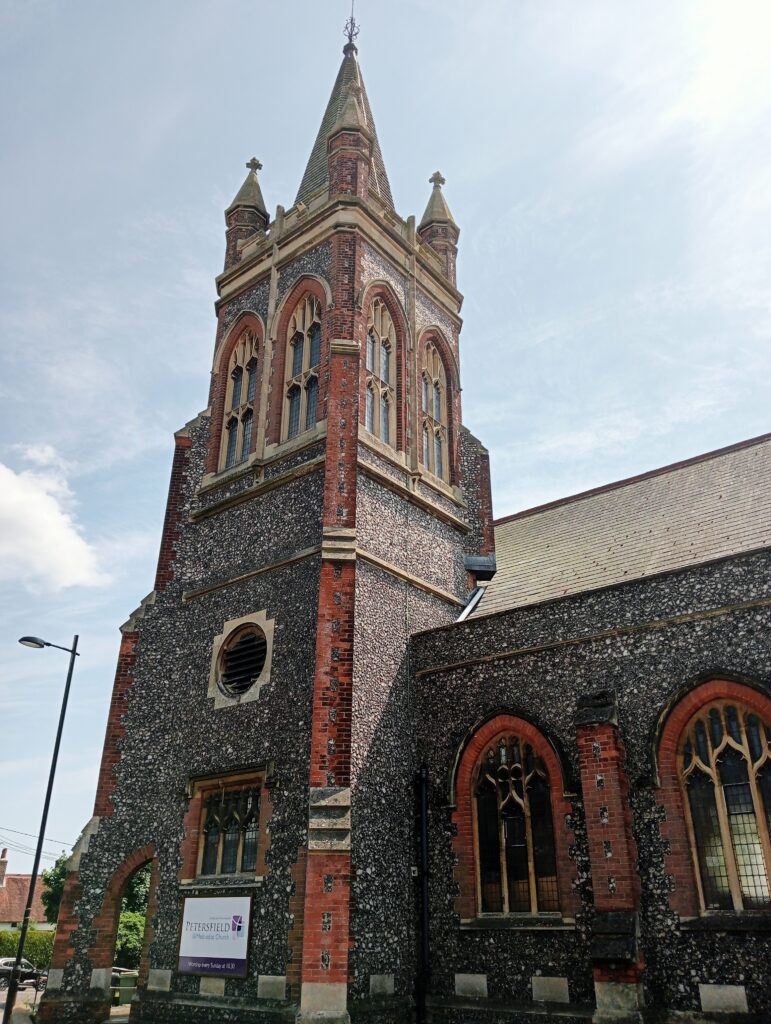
<point x="609" y="166"/>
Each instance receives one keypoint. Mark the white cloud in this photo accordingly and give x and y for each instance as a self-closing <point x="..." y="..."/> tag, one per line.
<point x="41" y="544"/>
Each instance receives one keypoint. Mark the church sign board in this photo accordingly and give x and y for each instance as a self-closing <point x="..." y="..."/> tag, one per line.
<point x="215" y="935"/>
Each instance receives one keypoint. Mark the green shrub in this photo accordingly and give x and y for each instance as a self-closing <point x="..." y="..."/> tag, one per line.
<point x="128" y="947"/>
<point x="38" y="948"/>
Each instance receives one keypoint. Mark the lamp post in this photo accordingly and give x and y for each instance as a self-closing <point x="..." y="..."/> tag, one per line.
<point x="13" y="986"/>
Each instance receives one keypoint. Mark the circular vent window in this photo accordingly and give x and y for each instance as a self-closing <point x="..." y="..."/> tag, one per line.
<point x="243" y="660"/>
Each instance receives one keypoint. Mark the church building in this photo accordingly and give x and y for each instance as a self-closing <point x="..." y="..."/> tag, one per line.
<point x="390" y="759"/>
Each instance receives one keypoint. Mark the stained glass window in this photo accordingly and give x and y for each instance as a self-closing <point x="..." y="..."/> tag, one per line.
<point x="433" y="385"/>
<point x="385" y="417"/>
<point x="724" y="759"/>
<point x="232" y="448"/>
<point x="246" y="434"/>
<point x="515" y="832"/>
<point x="380" y="395"/>
<point x="295" y="395"/>
<point x="369" y="412"/>
<point x="251" y="387"/>
<point x="230" y="831"/>
<point x="237" y="375"/>
<point x="315" y="345"/>
<point x="311" y="402"/>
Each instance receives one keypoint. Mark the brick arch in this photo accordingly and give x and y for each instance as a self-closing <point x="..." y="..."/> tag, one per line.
<point x="464" y="840"/>
<point x="308" y="284"/>
<point x="219" y="382"/>
<point x="673" y="720"/>
<point x="382" y="290"/>
<point x="105" y="923"/>
<point x="436" y="337"/>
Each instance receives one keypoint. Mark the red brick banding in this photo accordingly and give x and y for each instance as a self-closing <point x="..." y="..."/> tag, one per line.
<point x="124" y="680"/>
<point x="165" y="572"/>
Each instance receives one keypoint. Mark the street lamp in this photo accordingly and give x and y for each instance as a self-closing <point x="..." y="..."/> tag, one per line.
<point x="13" y="986"/>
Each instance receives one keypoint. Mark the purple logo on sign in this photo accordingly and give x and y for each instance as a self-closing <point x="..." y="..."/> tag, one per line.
<point x="237" y="924"/>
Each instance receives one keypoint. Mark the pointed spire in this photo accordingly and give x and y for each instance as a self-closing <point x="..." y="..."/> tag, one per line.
<point x="340" y="107"/>
<point x="437" y="210"/>
<point x="250" y="194"/>
<point x="351" y="115"/>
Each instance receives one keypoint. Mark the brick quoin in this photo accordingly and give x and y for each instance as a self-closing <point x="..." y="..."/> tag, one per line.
<point x="331" y="734"/>
<point x="678" y="862"/>
<point x="164" y="573"/>
<point x="124" y="680"/>
<point x="464" y="841"/>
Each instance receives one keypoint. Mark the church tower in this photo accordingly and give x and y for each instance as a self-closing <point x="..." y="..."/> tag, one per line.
<point x="326" y="505"/>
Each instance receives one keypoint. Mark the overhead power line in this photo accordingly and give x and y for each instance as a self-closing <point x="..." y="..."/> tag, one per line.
<point x="31" y="835"/>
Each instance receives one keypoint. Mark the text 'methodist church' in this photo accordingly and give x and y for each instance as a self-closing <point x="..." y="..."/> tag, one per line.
<point x="389" y="758"/>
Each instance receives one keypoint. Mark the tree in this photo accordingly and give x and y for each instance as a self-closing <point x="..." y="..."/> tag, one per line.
<point x="128" y="946"/>
<point x="53" y="887"/>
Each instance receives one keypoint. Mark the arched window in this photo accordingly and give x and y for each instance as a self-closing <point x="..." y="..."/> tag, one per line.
<point x="515" y="830"/>
<point x="434" y="410"/>
<point x="240" y="401"/>
<point x="380" y="406"/>
<point x="230" y="831"/>
<point x="303" y="360"/>
<point x="725" y="770"/>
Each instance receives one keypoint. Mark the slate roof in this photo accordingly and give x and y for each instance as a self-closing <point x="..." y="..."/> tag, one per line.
<point x="13" y="899"/>
<point x="691" y="512"/>
<point x="317" y="172"/>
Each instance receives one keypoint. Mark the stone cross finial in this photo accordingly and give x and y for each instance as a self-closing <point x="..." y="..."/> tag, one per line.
<point x="254" y="164"/>
<point x="436" y="179"/>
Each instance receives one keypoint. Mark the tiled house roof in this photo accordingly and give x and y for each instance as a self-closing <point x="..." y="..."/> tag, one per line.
<point x="696" y="511"/>
<point x="13" y="899"/>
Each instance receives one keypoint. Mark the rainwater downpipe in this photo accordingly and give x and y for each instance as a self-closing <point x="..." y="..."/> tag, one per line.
<point x="424" y="967"/>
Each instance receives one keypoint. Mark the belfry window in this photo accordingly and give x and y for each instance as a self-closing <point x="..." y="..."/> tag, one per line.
<point x="515" y="832"/>
<point x="380" y="406"/>
<point x="303" y="361"/>
<point x="240" y="400"/>
<point x="434" y="413"/>
<point x="725" y="770"/>
<point x="229" y="831"/>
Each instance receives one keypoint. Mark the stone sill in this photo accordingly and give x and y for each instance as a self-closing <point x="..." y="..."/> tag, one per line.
<point x="221" y="882"/>
<point x="723" y="921"/>
<point x="521" y="923"/>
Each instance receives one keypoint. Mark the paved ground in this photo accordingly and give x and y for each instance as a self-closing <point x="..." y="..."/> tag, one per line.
<point x="27" y="999"/>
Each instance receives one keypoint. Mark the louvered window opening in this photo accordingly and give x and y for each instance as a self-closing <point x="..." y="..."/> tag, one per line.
<point x="230" y="832"/>
<point x="517" y="859"/>
<point x="243" y="662"/>
<point x="725" y="764"/>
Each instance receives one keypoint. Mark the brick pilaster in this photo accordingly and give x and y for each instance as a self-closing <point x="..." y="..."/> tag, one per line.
<point x="164" y="573"/>
<point x="616" y="956"/>
<point x="326" y="939"/>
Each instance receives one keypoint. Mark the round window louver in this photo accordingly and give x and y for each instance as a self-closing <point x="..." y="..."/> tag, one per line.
<point x="243" y="661"/>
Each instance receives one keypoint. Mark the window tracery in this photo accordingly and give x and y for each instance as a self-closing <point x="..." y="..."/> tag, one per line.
<point x="380" y="405"/>
<point x="434" y="413"/>
<point x="240" y="401"/>
<point x="515" y="832"/>
<point x="725" y="772"/>
<point x="230" y="830"/>
<point x="303" y="360"/>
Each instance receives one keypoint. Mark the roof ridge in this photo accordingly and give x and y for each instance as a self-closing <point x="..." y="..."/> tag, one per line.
<point x="637" y="478"/>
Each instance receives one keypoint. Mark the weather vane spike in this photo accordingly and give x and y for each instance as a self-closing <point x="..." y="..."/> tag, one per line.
<point x="351" y="29"/>
<point x="254" y="164"/>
